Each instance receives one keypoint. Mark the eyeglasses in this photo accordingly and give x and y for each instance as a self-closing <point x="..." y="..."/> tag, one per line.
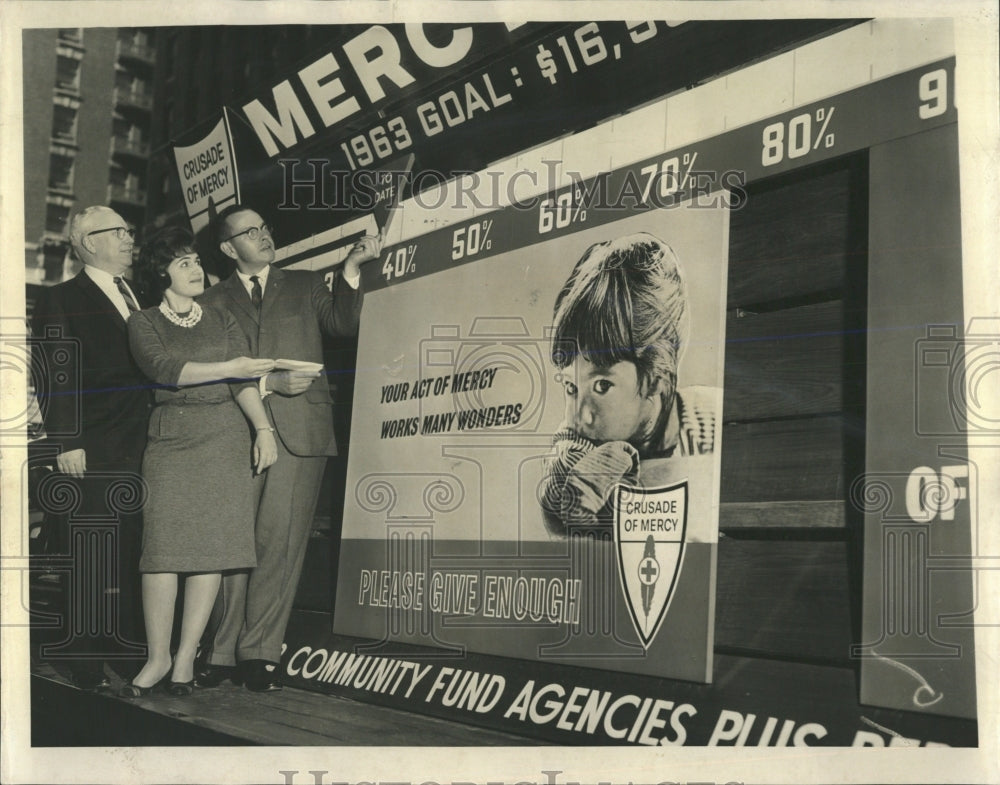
<point x="120" y="232"/>
<point x="252" y="233"/>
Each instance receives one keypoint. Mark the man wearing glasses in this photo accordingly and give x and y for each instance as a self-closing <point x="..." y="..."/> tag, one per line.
<point x="284" y="314"/>
<point x="95" y="410"/>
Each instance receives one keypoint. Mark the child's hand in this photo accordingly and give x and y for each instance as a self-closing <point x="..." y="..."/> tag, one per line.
<point x="580" y="481"/>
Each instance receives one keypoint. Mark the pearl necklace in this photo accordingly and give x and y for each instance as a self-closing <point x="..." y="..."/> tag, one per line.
<point x="193" y="317"/>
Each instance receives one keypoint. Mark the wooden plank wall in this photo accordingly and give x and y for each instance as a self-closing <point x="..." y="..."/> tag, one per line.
<point x="793" y="430"/>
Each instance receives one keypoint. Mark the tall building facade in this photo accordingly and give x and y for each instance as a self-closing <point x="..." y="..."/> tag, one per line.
<point x="87" y="107"/>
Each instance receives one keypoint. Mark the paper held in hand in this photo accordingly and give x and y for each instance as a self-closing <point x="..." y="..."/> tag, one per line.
<point x="297" y="365"/>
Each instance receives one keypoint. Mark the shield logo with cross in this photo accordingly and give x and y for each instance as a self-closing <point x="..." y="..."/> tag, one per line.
<point x="650" y="524"/>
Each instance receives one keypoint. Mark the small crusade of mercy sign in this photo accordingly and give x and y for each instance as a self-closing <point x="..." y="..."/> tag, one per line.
<point x="649" y="540"/>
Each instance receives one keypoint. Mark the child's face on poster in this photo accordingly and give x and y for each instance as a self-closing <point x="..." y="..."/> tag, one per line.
<point x="608" y="404"/>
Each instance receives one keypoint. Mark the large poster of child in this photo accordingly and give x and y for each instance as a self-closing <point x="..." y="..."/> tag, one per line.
<point x="535" y="444"/>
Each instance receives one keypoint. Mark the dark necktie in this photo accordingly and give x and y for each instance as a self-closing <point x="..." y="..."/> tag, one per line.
<point x="133" y="306"/>
<point x="256" y="293"/>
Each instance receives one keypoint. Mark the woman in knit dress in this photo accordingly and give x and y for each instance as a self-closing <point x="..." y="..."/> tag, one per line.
<point x="200" y="458"/>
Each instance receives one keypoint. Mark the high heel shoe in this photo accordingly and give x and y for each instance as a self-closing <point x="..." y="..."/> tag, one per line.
<point x="180" y="688"/>
<point x="132" y="690"/>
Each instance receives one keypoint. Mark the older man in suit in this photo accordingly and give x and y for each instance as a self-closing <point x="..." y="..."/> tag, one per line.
<point x="96" y="416"/>
<point x="284" y="314"/>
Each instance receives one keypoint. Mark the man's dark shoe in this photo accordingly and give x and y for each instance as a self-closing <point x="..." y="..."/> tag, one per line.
<point x="258" y="675"/>
<point x="90" y="680"/>
<point x="206" y="675"/>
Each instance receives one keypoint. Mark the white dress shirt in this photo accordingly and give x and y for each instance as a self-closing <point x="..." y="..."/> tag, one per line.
<point x="353" y="282"/>
<point x="106" y="283"/>
<point x="262" y="279"/>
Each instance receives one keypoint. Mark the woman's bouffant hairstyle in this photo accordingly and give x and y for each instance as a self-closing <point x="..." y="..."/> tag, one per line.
<point x="155" y="257"/>
<point x="624" y="300"/>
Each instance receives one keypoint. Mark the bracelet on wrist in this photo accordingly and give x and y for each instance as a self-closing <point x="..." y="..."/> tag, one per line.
<point x="266" y="428"/>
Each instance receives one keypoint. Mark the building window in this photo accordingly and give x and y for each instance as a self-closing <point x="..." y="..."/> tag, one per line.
<point x="64" y="123"/>
<point x="136" y="44"/>
<point x="117" y="177"/>
<point x="60" y="172"/>
<point x="129" y="82"/>
<point x="124" y="81"/>
<point x="67" y="73"/>
<point x="125" y="131"/>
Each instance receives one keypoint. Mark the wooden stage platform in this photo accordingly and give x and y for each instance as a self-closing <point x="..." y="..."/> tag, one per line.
<point x="228" y="715"/>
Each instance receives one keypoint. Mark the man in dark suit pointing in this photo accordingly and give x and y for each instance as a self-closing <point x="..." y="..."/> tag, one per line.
<point x="284" y="314"/>
<point x="96" y="416"/>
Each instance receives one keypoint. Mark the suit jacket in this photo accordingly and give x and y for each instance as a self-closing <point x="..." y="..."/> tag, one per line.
<point x="297" y="310"/>
<point x="93" y="396"/>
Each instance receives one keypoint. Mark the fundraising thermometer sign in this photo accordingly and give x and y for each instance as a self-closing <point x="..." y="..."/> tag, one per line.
<point x="481" y="501"/>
